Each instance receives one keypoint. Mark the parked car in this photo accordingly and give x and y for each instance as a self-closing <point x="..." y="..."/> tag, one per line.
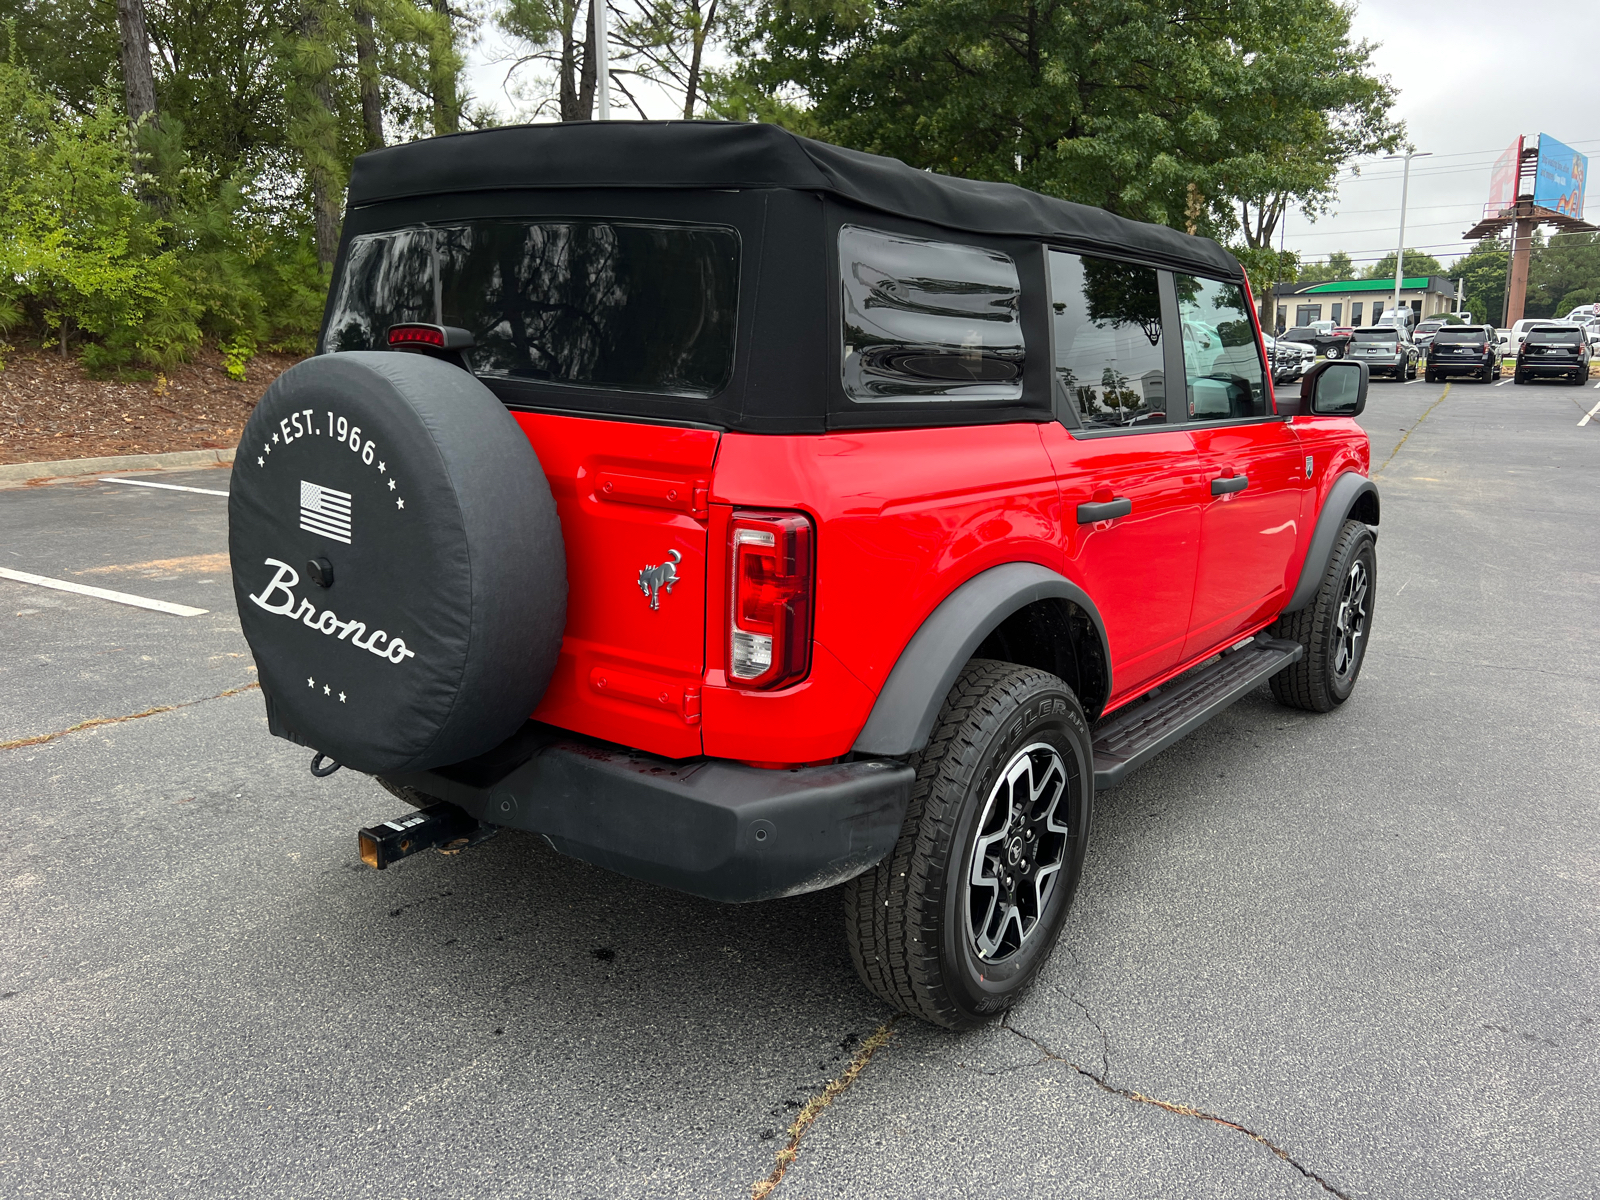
<point x="1290" y="360"/>
<point x="1584" y="312"/>
<point x="1554" y="351"/>
<point x="1386" y="351"/>
<point x="1326" y="343"/>
<point x="1423" y="334"/>
<point x="753" y="516"/>
<point x="1520" y="329"/>
<point x="1463" y="350"/>
<point x="1406" y="319"/>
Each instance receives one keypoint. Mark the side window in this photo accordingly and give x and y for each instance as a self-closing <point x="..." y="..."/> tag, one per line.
<point x="928" y="320"/>
<point x="387" y="280"/>
<point x="1107" y="318"/>
<point x="1221" y="359"/>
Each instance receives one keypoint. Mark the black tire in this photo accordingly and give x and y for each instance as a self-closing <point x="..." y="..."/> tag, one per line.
<point x="910" y="920"/>
<point x="1334" y="628"/>
<point x="1432" y="377"/>
<point x="1334" y="352"/>
<point x="1516" y="379"/>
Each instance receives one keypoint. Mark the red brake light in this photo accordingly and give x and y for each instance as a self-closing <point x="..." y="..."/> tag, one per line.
<point x="416" y="335"/>
<point x="769" y="617"/>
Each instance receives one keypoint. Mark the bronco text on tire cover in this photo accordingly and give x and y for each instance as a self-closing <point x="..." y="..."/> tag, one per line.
<point x="397" y="561"/>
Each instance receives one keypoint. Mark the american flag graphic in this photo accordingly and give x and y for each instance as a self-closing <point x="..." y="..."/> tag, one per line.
<point x="326" y="511"/>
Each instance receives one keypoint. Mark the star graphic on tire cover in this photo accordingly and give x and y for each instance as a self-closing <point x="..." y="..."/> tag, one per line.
<point x="310" y="682"/>
<point x="326" y="690"/>
<point x="399" y="503"/>
<point x="391" y="485"/>
<point x="260" y="462"/>
<point x="341" y="697"/>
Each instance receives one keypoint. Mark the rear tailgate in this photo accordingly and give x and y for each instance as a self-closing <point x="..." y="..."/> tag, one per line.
<point x="633" y="505"/>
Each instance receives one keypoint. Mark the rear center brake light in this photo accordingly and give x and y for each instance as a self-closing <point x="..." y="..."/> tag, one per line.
<point x="769" y="617"/>
<point x="439" y="337"/>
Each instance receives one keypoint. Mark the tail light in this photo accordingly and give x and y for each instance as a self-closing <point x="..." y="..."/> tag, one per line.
<point x="769" y="618"/>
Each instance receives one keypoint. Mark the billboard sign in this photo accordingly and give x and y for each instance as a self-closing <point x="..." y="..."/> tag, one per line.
<point x="1503" y="180"/>
<point x="1561" y="178"/>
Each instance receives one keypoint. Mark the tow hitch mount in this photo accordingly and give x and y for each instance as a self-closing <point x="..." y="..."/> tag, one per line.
<point x="440" y="825"/>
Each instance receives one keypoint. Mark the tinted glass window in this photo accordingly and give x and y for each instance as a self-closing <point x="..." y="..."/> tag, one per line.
<point x="1555" y="337"/>
<point x="1221" y="358"/>
<point x="646" y="308"/>
<point x="1376" y="335"/>
<point x="387" y="280"/>
<point x="631" y="307"/>
<point x="1107" y="319"/>
<point x="928" y="320"/>
<point x="1448" y="337"/>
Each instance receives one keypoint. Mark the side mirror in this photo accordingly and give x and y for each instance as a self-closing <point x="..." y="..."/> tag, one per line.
<point x="1335" y="387"/>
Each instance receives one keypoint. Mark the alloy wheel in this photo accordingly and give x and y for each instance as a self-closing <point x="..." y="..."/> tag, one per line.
<point x="1021" y="847"/>
<point x="1350" y="624"/>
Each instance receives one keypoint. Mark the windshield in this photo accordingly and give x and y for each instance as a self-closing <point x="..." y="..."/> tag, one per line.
<point x="1430" y="327"/>
<point x="1555" y="337"/>
<point x="632" y="307"/>
<point x="1376" y="335"/>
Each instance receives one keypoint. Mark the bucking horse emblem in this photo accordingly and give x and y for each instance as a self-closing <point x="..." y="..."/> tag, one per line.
<point x="654" y="580"/>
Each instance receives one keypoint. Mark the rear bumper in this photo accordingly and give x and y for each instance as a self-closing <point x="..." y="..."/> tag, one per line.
<point x="710" y="827"/>
<point x="1545" y="366"/>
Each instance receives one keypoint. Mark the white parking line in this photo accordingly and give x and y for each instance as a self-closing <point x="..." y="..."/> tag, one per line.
<point x="82" y="589"/>
<point x="1418" y="379"/>
<point x="171" y="487"/>
<point x="1505" y="381"/>
<point x="1589" y="416"/>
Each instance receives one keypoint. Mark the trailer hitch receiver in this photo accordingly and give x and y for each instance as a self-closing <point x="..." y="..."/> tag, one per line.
<point x="440" y="825"/>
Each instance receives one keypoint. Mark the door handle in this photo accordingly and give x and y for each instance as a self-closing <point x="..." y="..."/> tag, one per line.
<point x="1088" y="514"/>
<point x="1222" y="485"/>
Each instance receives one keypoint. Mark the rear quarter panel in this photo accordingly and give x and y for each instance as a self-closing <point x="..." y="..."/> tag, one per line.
<point x="903" y="518"/>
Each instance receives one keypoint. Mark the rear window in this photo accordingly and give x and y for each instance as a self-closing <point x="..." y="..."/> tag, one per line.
<point x="1430" y="326"/>
<point x="1555" y="337"/>
<point x="1447" y="337"/>
<point x="1375" y="335"/>
<point x="926" y="320"/>
<point x="627" y="307"/>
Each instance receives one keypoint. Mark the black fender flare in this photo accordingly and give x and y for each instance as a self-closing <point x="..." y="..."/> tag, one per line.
<point x="902" y="717"/>
<point x="1347" y="490"/>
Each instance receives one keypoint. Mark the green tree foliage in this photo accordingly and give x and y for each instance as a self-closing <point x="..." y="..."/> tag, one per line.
<point x="1563" y="273"/>
<point x="1159" y="110"/>
<point x="1417" y="263"/>
<point x="1483" y="280"/>
<point x="218" y="216"/>
<point x="1336" y="266"/>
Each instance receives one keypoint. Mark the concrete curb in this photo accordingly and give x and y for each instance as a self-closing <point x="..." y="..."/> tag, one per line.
<point x="21" y="474"/>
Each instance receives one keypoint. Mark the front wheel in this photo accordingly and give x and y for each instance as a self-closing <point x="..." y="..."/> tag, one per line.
<point x="956" y="923"/>
<point x="1335" y="352"/>
<point x="1333" y="628"/>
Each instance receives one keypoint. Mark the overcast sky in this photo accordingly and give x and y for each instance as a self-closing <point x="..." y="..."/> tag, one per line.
<point x="1472" y="75"/>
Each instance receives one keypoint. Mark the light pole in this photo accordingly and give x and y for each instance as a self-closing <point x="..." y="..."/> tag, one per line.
<point x="1400" y="253"/>
<point x="603" y="65"/>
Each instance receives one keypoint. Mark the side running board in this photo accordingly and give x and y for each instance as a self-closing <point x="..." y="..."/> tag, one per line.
<point x="1138" y="734"/>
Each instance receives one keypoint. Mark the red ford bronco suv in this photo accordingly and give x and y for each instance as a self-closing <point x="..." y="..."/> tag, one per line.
<point x="752" y="516"/>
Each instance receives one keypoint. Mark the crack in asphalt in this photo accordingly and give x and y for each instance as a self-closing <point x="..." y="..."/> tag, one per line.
<point x="42" y="738"/>
<point x="1412" y="430"/>
<point x="1182" y="1110"/>
<point x="815" y="1107"/>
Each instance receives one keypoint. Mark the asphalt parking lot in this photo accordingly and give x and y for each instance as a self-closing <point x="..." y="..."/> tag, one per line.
<point x="1349" y="955"/>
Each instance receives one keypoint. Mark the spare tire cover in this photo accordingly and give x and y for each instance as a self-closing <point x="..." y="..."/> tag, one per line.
<point x="438" y="628"/>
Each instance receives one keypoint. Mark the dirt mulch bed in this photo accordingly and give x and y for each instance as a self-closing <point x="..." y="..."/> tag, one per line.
<point x="50" y="409"/>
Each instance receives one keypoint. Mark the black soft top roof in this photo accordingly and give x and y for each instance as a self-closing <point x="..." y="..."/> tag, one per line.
<point x="711" y="154"/>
